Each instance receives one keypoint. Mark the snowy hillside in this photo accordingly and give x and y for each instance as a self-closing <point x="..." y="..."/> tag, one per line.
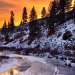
<point x="48" y="55"/>
<point x="60" y="42"/>
<point x="20" y="39"/>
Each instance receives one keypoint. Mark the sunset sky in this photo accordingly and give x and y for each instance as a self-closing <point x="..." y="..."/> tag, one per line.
<point x="17" y="6"/>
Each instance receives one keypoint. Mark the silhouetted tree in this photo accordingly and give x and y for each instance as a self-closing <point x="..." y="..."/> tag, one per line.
<point x="33" y="20"/>
<point x="53" y="11"/>
<point x="34" y="30"/>
<point x="52" y="19"/>
<point x="33" y="15"/>
<point x="21" y="23"/>
<point x="33" y="26"/>
<point x="11" y="23"/>
<point x="49" y="9"/>
<point x="43" y="13"/>
<point x="4" y="28"/>
<point x="62" y="8"/>
<point x="24" y="15"/>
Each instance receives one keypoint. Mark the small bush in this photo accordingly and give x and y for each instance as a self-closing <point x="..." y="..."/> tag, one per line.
<point x="67" y="35"/>
<point x="54" y="52"/>
<point x="68" y="53"/>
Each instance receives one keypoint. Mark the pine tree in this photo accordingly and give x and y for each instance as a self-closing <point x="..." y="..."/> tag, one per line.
<point x="33" y="26"/>
<point x="49" y="9"/>
<point x="24" y="15"/>
<point x="33" y="15"/>
<point x="34" y="30"/>
<point x="52" y="19"/>
<point x="33" y="21"/>
<point x="21" y="23"/>
<point x="43" y="13"/>
<point x="4" y="28"/>
<point x="53" y="11"/>
<point x="11" y="23"/>
<point x="62" y="8"/>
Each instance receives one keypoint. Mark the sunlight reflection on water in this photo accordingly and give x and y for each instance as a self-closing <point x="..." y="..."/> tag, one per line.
<point x="12" y="71"/>
<point x="15" y="70"/>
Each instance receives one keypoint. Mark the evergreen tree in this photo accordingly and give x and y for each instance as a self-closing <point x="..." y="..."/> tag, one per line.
<point x="53" y="11"/>
<point x="21" y="23"/>
<point x="52" y="18"/>
<point x="49" y="9"/>
<point x="4" y="28"/>
<point x="33" y="21"/>
<point x="24" y="15"/>
<point x="11" y="23"/>
<point x="34" y="30"/>
<point x="33" y="15"/>
<point x="43" y="13"/>
<point x="33" y="26"/>
<point x="62" y="8"/>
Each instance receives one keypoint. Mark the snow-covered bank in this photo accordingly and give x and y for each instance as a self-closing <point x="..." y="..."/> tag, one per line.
<point x="30" y="65"/>
<point x="55" y="44"/>
<point x="21" y="61"/>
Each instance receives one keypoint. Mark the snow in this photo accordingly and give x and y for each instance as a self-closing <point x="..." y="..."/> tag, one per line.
<point x="73" y="64"/>
<point x="67" y="62"/>
<point x="36" y="63"/>
<point x="6" y="66"/>
<point x="36" y="66"/>
<point x="39" y="66"/>
<point x="55" y="41"/>
<point x="52" y="41"/>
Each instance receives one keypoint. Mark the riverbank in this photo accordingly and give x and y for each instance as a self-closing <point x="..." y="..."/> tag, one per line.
<point x="31" y="65"/>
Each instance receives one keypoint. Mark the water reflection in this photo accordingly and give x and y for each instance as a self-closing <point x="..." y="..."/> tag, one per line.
<point x="15" y="70"/>
<point x="12" y="71"/>
<point x="22" y="65"/>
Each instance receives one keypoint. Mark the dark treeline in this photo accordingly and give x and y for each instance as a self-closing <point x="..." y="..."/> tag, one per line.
<point x="58" y="12"/>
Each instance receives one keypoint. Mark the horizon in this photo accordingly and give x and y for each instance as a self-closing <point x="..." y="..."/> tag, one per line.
<point x="17" y="6"/>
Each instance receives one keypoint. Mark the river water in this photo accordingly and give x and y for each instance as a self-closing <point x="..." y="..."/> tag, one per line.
<point x="37" y="66"/>
<point x="15" y="70"/>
